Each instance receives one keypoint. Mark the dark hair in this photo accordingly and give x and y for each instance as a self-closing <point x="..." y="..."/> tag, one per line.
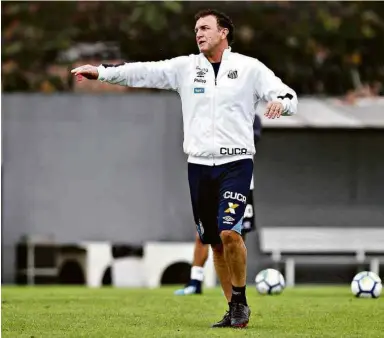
<point x="223" y="21"/>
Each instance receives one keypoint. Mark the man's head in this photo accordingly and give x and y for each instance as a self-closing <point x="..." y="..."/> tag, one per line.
<point x="214" y="31"/>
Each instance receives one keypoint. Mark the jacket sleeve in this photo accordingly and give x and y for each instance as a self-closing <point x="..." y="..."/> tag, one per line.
<point x="160" y="74"/>
<point x="270" y="88"/>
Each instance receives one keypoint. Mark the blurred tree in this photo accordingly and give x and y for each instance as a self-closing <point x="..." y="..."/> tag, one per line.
<point x="314" y="46"/>
<point x="33" y="33"/>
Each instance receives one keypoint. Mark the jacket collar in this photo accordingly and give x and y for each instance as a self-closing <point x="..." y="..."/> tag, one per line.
<point x="226" y="53"/>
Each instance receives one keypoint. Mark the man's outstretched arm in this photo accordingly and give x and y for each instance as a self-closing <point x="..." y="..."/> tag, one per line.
<point x="160" y="74"/>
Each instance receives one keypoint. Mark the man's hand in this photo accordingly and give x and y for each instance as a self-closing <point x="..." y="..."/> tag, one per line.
<point x="88" y="71"/>
<point x="274" y="109"/>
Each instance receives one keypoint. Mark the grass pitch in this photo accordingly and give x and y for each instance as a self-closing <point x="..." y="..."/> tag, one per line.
<point x="35" y="312"/>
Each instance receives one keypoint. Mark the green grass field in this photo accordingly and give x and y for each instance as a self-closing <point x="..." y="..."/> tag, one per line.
<point x="109" y="312"/>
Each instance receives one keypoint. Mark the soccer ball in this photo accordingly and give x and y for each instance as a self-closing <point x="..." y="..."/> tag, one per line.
<point x="366" y="284"/>
<point x="269" y="282"/>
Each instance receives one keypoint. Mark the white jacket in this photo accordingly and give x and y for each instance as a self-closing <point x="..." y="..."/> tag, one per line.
<point x="218" y="113"/>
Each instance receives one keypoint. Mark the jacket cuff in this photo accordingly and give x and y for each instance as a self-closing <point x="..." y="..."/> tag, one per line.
<point x="285" y="102"/>
<point x="102" y="73"/>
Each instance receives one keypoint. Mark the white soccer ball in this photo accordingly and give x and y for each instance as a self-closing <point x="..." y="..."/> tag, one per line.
<point x="269" y="282"/>
<point x="366" y="284"/>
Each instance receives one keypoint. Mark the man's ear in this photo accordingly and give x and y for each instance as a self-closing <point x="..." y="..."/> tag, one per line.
<point x="225" y="33"/>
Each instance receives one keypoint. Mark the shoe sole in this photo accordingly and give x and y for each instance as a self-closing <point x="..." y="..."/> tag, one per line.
<point x="240" y="326"/>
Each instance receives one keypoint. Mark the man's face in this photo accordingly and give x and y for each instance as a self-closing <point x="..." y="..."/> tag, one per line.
<point x="208" y="34"/>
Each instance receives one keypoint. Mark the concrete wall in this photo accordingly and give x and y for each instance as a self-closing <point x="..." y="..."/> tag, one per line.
<point x="84" y="167"/>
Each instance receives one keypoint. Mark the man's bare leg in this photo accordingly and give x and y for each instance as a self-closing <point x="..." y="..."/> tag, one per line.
<point x="235" y="254"/>
<point x="222" y="255"/>
<point x="200" y="256"/>
<point x="222" y="270"/>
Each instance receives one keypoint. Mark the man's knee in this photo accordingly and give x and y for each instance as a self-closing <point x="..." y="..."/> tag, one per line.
<point x="229" y="237"/>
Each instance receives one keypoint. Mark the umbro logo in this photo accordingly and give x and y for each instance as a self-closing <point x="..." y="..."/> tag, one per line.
<point x="200" y="73"/>
<point x="232" y="74"/>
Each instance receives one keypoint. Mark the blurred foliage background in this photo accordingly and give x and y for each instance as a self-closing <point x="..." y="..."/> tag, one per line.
<point x="318" y="48"/>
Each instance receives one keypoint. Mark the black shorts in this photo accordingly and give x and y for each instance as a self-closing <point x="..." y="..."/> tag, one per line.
<point x="219" y="197"/>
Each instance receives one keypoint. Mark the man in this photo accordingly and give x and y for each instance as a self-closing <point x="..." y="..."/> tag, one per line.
<point x="219" y="90"/>
<point x="200" y="254"/>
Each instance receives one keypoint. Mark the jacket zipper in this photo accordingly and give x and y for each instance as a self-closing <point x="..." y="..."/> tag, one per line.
<point x="213" y="113"/>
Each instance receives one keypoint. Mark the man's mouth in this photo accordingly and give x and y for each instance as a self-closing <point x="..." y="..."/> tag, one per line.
<point x="201" y="42"/>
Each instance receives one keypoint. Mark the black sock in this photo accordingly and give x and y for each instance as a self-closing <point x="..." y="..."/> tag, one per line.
<point x="195" y="282"/>
<point x="238" y="295"/>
